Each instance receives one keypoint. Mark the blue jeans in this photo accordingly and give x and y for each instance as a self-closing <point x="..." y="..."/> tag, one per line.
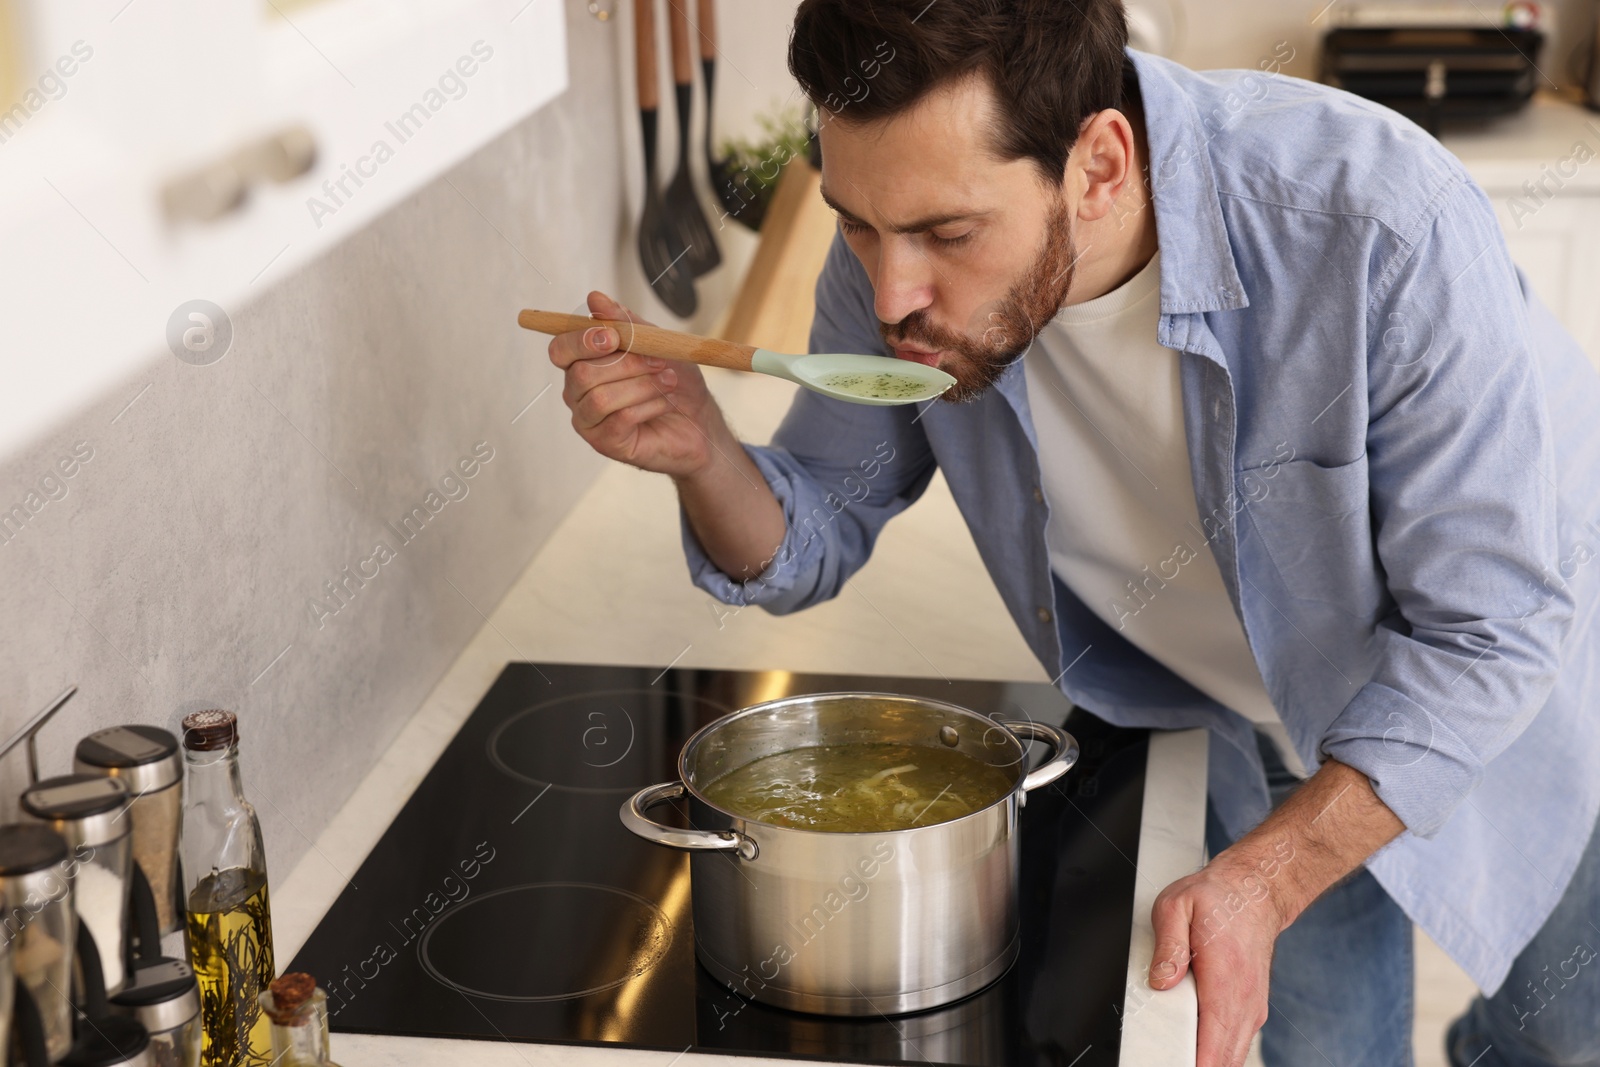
<point x="1343" y="976"/>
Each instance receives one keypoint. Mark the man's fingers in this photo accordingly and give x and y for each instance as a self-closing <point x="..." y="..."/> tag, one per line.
<point x="618" y="427"/>
<point x="595" y="342"/>
<point x="567" y="348"/>
<point x="1170" y="916"/>
<point x="603" y="401"/>
<point x="602" y="306"/>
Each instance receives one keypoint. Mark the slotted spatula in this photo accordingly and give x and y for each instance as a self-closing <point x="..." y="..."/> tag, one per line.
<point x="683" y="206"/>
<point x="660" y="253"/>
<point x="721" y="172"/>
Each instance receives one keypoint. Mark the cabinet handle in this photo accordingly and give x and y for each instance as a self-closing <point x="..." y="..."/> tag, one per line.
<point x="212" y="191"/>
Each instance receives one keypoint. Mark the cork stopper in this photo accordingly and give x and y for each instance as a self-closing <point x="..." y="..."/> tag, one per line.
<point x="290" y="992"/>
<point x="210" y="731"/>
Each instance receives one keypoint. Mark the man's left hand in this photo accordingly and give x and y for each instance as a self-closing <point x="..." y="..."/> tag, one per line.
<point x="1223" y="920"/>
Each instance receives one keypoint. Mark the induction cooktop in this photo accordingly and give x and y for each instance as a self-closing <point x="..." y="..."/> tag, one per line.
<point x="507" y="902"/>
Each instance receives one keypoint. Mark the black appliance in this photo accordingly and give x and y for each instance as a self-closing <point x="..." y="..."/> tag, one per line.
<point x="1435" y="74"/>
<point x="507" y="902"/>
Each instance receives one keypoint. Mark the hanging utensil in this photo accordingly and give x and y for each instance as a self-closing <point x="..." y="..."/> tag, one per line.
<point x="660" y="253"/>
<point x="857" y="378"/>
<point x="683" y="206"/>
<point x="722" y="173"/>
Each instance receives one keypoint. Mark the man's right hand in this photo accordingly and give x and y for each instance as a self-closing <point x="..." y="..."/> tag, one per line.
<point x="659" y="416"/>
<point x="652" y="413"/>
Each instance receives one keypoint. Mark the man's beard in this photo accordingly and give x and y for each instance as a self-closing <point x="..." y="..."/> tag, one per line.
<point x="1009" y="327"/>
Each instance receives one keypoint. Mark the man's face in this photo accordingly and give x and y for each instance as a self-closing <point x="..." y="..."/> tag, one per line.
<point x="969" y="257"/>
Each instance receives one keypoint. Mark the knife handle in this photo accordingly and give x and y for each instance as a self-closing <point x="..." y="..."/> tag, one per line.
<point x="647" y="340"/>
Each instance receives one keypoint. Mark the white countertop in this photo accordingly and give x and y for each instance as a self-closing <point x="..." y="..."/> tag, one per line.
<point x="611" y="586"/>
<point x="1504" y="153"/>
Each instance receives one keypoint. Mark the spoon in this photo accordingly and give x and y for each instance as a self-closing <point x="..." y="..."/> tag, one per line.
<point x="843" y="376"/>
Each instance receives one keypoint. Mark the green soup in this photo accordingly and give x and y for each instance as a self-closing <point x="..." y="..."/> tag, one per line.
<point x="881" y="385"/>
<point x="866" y="787"/>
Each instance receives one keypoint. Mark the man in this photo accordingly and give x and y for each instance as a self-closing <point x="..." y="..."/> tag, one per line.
<point x="1256" y="428"/>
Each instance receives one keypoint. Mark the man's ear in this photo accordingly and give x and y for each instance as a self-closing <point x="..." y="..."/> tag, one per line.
<point x="1101" y="163"/>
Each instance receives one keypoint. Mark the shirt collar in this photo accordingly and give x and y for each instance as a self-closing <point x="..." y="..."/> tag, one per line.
<point x="1198" y="272"/>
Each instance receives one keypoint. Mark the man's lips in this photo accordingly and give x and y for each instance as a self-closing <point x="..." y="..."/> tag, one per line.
<point x="916" y="355"/>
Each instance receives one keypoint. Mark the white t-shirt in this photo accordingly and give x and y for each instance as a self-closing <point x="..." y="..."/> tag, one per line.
<point x="1124" y="531"/>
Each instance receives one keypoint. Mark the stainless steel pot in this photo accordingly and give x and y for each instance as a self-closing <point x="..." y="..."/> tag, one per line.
<point x="852" y="924"/>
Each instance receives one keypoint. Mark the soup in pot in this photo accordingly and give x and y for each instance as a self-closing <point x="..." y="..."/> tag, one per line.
<point x="863" y="787"/>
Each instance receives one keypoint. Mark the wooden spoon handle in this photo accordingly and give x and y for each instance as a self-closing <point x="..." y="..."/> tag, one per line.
<point x="708" y="29"/>
<point x="648" y="340"/>
<point x="644" y="48"/>
<point x="682" y="50"/>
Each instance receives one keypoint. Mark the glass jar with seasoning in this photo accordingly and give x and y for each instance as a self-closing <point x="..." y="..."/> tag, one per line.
<point x="90" y="814"/>
<point x="298" y="1009"/>
<point x="7" y="989"/>
<point x="110" y="1042"/>
<point x="39" y="923"/>
<point x="147" y="760"/>
<point x="228" y="913"/>
<point x="164" y="997"/>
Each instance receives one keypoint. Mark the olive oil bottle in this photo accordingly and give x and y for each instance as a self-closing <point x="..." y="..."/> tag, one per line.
<point x="229" y="916"/>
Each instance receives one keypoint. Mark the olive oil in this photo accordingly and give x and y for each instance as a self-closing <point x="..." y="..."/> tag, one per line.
<point x="864" y="787"/>
<point x="230" y="948"/>
<point x="231" y="952"/>
<point x="885" y="385"/>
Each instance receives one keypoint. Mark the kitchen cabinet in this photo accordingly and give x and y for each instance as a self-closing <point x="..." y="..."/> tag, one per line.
<point x="1541" y="170"/>
<point x="141" y="165"/>
<point x="1559" y="249"/>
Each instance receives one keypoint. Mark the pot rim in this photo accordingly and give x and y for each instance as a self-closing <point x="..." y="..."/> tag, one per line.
<point x="767" y="705"/>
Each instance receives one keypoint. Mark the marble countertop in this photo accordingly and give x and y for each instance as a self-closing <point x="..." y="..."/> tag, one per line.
<point x="610" y="586"/>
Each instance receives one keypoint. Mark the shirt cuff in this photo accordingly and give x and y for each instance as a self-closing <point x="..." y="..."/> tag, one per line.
<point x="1420" y="768"/>
<point x="793" y="572"/>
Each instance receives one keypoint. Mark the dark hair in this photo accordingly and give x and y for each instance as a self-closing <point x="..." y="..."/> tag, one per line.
<point x="1051" y="63"/>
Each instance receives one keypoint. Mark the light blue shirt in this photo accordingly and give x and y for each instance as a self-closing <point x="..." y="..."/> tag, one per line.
<point x="1396" y="458"/>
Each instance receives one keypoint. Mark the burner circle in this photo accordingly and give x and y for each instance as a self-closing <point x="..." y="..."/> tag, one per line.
<point x="540" y="942"/>
<point x="605" y="741"/>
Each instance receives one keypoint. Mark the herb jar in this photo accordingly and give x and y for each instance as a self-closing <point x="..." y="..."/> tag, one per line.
<point x="90" y="814"/>
<point x="147" y="760"/>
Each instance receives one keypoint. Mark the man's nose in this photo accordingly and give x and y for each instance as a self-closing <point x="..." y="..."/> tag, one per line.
<point x="905" y="281"/>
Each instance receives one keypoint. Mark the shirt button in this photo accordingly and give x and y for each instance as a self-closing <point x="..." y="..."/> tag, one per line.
<point x="1044" y="615"/>
<point x="1038" y="495"/>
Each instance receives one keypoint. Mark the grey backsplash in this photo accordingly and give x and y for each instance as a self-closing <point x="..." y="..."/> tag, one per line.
<point x="185" y="562"/>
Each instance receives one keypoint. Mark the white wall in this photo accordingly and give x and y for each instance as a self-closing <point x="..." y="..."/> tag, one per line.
<point x="179" y="567"/>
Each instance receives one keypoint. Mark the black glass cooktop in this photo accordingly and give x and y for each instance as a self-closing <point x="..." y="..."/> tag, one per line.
<point x="507" y="902"/>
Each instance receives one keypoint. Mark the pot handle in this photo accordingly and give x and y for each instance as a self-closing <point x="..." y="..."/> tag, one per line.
<point x="1063" y="756"/>
<point x="634" y="818"/>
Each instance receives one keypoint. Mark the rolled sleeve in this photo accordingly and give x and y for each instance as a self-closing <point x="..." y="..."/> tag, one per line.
<point x="795" y="570"/>
<point x="839" y="470"/>
<point x="1464" y="504"/>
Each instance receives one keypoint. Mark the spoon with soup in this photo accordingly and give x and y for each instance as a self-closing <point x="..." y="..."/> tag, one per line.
<point x="848" y="376"/>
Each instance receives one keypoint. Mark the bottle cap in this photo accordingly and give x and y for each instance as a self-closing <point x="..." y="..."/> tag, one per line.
<point x="285" y="999"/>
<point x="210" y="731"/>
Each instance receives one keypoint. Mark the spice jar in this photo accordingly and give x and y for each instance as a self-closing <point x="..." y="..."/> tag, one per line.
<point x="7" y="989"/>
<point x="37" y="891"/>
<point x="164" y="997"/>
<point x="89" y="812"/>
<point x="298" y="1009"/>
<point x="147" y="760"/>
<point x="110" y="1042"/>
